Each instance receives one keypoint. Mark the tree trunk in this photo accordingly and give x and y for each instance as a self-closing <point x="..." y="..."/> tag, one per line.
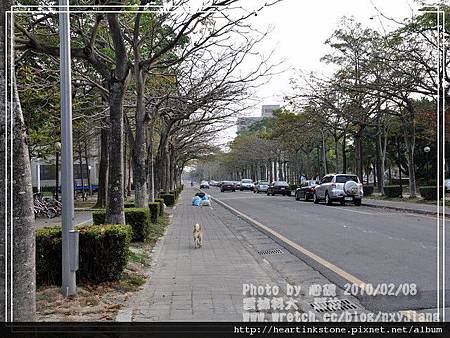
<point x="140" y="146"/>
<point x="88" y="172"/>
<point x="80" y="165"/>
<point x="115" y="213"/>
<point x="118" y="84"/>
<point x="103" y="169"/>
<point x="344" y="155"/>
<point x="24" y="272"/>
<point x="358" y="155"/>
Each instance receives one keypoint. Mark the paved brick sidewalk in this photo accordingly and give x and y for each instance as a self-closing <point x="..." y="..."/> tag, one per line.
<point x="188" y="284"/>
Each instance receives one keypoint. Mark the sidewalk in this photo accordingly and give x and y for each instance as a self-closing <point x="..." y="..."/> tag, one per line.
<point x="188" y="284"/>
<point x="427" y="209"/>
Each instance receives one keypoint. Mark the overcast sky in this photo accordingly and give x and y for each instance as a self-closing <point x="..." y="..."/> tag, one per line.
<point x="301" y="27"/>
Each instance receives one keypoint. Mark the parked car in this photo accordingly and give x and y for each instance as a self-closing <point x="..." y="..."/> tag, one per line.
<point x="339" y="187"/>
<point x="204" y="185"/>
<point x="227" y="186"/>
<point x="306" y="190"/>
<point x="237" y="184"/>
<point x="261" y="186"/>
<point x="447" y="185"/>
<point x="279" y="187"/>
<point x="213" y="183"/>
<point x="247" y="184"/>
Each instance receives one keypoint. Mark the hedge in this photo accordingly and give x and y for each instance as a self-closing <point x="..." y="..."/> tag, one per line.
<point x="128" y="205"/>
<point x="175" y="193"/>
<point x="169" y="199"/>
<point x="428" y="193"/>
<point x="161" y="205"/>
<point x="392" y="191"/>
<point x="103" y="253"/>
<point x="138" y="218"/>
<point x="368" y="190"/>
<point x="154" y="211"/>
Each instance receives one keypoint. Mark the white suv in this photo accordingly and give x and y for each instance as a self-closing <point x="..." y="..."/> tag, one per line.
<point x="339" y="187"/>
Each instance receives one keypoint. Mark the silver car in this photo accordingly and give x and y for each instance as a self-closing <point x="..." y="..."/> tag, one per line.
<point x="261" y="186"/>
<point x="339" y="187"/>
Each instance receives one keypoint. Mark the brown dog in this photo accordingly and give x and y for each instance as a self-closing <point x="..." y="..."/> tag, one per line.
<point x="197" y="233"/>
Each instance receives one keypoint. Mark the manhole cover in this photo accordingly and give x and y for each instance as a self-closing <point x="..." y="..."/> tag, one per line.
<point x="270" y="252"/>
<point x="333" y="305"/>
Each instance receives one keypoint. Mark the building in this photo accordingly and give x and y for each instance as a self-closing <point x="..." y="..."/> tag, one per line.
<point x="243" y="123"/>
<point x="268" y="109"/>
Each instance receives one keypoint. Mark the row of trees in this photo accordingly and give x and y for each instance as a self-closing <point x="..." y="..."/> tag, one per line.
<point x="154" y="84"/>
<point x="377" y="111"/>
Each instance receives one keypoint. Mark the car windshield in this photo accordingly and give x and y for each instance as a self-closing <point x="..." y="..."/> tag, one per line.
<point x="344" y="179"/>
<point x="282" y="183"/>
<point x="247" y="181"/>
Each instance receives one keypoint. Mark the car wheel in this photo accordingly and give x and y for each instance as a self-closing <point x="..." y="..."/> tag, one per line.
<point x="306" y="198"/>
<point x="357" y="202"/>
<point x="328" y="199"/>
<point x="342" y="201"/>
<point x="316" y="199"/>
<point x="233" y="190"/>
<point x="273" y="194"/>
<point x="297" y="197"/>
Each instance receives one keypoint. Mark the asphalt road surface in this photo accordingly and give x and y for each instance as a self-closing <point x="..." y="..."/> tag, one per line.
<point x="374" y="245"/>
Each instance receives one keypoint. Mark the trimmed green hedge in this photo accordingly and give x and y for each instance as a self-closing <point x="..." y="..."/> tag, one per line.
<point x="138" y="218"/>
<point x="428" y="193"/>
<point x="103" y="253"/>
<point x="392" y="191"/>
<point x="161" y="205"/>
<point x="169" y="199"/>
<point x="368" y="190"/>
<point x="154" y="211"/>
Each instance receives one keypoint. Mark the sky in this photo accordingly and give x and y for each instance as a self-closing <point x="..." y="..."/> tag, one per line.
<point x="300" y="28"/>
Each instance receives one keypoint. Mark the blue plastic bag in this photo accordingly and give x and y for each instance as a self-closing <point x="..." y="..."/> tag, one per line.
<point x="196" y="201"/>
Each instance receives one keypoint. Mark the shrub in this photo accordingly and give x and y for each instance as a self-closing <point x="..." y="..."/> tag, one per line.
<point x="154" y="211"/>
<point x="175" y="193"/>
<point x="169" y="199"/>
<point x="103" y="253"/>
<point x="128" y="205"/>
<point x="368" y="190"/>
<point x="293" y="186"/>
<point x="48" y="255"/>
<point x="161" y="205"/>
<point x="428" y="193"/>
<point x="138" y="218"/>
<point x="392" y="191"/>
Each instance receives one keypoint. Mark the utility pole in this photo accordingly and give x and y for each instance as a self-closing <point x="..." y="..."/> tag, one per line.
<point x="69" y="236"/>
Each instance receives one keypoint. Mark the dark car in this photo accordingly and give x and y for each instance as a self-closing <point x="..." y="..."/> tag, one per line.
<point x="227" y="186"/>
<point x="204" y="185"/>
<point x="306" y="190"/>
<point x="279" y="187"/>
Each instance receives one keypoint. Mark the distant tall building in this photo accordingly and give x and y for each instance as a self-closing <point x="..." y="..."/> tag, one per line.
<point x="268" y="109"/>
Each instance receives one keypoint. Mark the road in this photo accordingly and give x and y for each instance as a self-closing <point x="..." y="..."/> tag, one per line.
<point x="81" y="217"/>
<point x="374" y="245"/>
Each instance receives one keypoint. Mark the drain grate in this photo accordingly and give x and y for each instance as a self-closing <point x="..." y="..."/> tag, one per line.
<point x="333" y="305"/>
<point x="270" y="252"/>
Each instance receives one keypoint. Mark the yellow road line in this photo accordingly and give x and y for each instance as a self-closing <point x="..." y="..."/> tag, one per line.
<point x="337" y="270"/>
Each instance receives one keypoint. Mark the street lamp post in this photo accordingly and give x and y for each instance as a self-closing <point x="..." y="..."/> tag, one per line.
<point x="69" y="236"/>
<point x="427" y="158"/>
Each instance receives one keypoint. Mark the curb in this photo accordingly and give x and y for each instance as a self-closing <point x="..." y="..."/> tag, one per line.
<point x="414" y="211"/>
